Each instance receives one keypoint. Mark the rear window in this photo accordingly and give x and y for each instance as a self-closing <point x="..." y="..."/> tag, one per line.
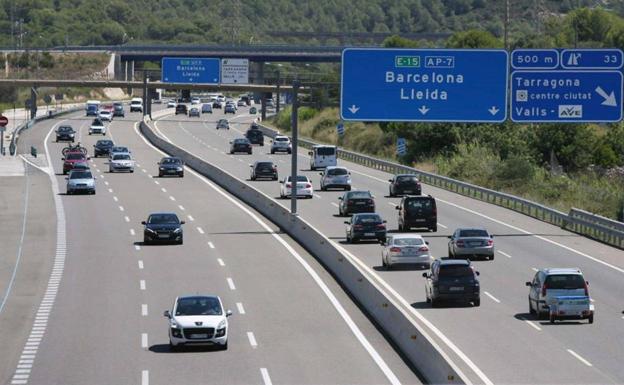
<point x="408" y="241"/>
<point x="337" y="171"/>
<point x="367" y="219"/>
<point x="455" y="271"/>
<point x="473" y="233"/>
<point x="282" y="139"/>
<point x="121" y="157"/>
<point x="241" y="141"/>
<point x="264" y="164"/>
<point x="170" y="161"/>
<point x="358" y="194"/>
<point x="104" y="143"/>
<point x="81" y="175"/>
<point x="254" y="132"/>
<point x="300" y="178"/>
<point x="419" y="204"/>
<point x="565" y="281"/>
<point x="407" y="179"/>
<point x="326" y="151"/>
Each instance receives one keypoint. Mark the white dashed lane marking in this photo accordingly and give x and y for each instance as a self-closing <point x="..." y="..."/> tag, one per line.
<point x="121" y="208"/>
<point x="141" y="266"/>
<point x="181" y="207"/>
<point x="172" y="198"/>
<point x="127" y="219"/>
<point x="334" y="204"/>
<point x="265" y="376"/>
<point x="505" y="254"/>
<point x="132" y="232"/>
<point x="142" y="284"/>
<point x="241" y="309"/>
<point x="144" y="310"/>
<point x="252" y="340"/>
<point x="145" y="377"/>
<point x="110" y="190"/>
<point x="115" y="199"/>
<point x="190" y="218"/>
<point x="442" y="226"/>
<point x="231" y="283"/>
<point x="200" y="230"/>
<point x="221" y="263"/>
<point x="163" y="189"/>
<point x="211" y="245"/>
<point x="144" y="340"/>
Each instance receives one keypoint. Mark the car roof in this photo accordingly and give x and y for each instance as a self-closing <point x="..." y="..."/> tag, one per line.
<point x="472" y="228"/>
<point x="407" y="175"/>
<point x="336" y="168"/>
<point x="197" y="296"/>
<point x="562" y="270"/>
<point x="163" y="212"/>
<point x="405" y="235"/>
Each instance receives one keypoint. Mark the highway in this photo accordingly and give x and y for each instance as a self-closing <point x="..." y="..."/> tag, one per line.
<point x="499" y="342"/>
<point x="99" y="319"/>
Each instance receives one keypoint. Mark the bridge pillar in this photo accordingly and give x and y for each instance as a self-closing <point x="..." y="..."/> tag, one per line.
<point x="118" y="75"/>
<point x="259" y="80"/>
<point x="33" y="102"/>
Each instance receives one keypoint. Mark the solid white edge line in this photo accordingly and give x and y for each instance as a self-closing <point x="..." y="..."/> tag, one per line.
<point x="578" y="357"/>
<point x="379" y="361"/>
<point x="491" y="296"/>
<point x="265" y="376"/>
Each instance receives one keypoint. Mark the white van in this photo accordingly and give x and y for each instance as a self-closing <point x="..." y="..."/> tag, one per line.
<point x="92" y="107"/>
<point x="136" y="104"/>
<point x="322" y="156"/>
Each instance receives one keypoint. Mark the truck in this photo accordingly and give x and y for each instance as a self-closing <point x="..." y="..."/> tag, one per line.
<point x="92" y="107"/>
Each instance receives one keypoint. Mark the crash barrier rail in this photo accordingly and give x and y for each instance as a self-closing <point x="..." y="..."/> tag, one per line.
<point x="411" y="338"/>
<point x="28" y="124"/>
<point x="578" y="221"/>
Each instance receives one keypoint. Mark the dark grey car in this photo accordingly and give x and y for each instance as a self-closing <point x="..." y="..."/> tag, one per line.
<point x="171" y="166"/>
<point x="452" y="280"/>
<point x="471" y="242"/>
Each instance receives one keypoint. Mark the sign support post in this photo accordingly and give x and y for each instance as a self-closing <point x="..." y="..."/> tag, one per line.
<point x="293" y="153"/>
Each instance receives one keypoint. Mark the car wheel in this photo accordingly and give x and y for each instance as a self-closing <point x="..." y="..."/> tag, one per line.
<point x="434" y="302"/>
<point x="383" y="262"/>
<point x="491" y="257"/>
<point x="401" y="227"/>
<point x="390" y="194"/>
<point x="434" y="228"/>
<point x="552" y="318"/>
<point x="146" y="241"/>
<point x="224" y="346"/>
<point x="253" y="178"/>
<point x="477" y="302"/>
<point x="289" y="151"/>
<point x="173" y="348"/>
<point x="272" y="152"/>
<point x="427" y="299"/>
<point x="160" y="175"/>
<point x="181" y="242"/>
<point x="249" y="152"/>
<point x="93" y="192"/>
<point x="531" y="311"/>
<point x="323" y="188"/>
<point x="590" y="319"/>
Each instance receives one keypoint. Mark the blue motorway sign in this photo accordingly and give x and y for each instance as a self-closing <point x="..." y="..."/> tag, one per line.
<point x="590" y="59"/>
<point x="340" y="129"/>
<point x="191" y="70"/>
<point x="401" y="148"/>
<point x="434" y="85"/>
<point x="535" y="59"/>
<point x="566" y="96"/>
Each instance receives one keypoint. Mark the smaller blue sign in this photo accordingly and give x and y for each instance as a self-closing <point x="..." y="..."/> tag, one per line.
<point x="401" y="148"/>
<point x="191" y="70"/>
<point x="340" y="129"/>
<point x="591" y="59"/>
<point x="535" y="59"/>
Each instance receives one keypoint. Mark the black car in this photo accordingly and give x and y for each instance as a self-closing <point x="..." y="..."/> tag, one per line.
<point x="404" y="184"/>
<point x="263" y="170"/>
<point x="171" y="166"/>
<point x="216" y="104"/>
<point x="418" y="212"/>
<point x="255" y="136"/>
<point x="118" y="110"/>
<point x="223" y="124"/>
<point x="366" y="226"/>
<point x="240" y="145"/>
<point x="452" y="280"/>
<point x="356" y="202"/>
<point x="181" y="109"/>
<point x="65" y="133"/>
<point x="102" y="147"/>
<point x="163" y="227"/>
<point x="229" y="109"/>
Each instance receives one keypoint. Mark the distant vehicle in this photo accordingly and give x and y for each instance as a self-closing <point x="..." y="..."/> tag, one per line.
<point x="365" y="226"/>
<point x="194" y="111"/>
<point x="105" y="116"/>
<point x="80" y="181"/>
<point x="356" y="202"/>
<point x="322" y="156"/>
<point x="452" y="280"/>
<point x="92" y="107"/>
<point x="240" y="145"/>
<point x="163" y="227"/>
<point x="121" y="162"/>
<point x="136" y="105"/>
<point x="171" y="166"/>
<point x="229" y="109"/>
<point x="471" y="242"/>
<point x="72" y="158"/>
<point x="246" y="99"/>
<point x="241" y="103"/>
<point x="181" y="109"/>
<point x="102" y="147"/>
<point x="303" y="187"/>
<point x="405" y="249"/>
<point x="217" y="104"/>
<point x="198" y="320"/>
<point x="119" y="150"/>
<point x="335" y="177"/>
<point x="118" y="110"/>
<point x="255" y="136"/>
<point x="171" y="104"/>
<point x="195" y="100"/>
<point x="97" y="127"/>
<point x="230" y="102"/>
<point x="253" y="110"/>
<point x="206" y="108"/>
<point x="223" y="124"/>
<point x="269" y="103"/>
<point x="404" y="184"/>
<point x="555" y="290"/>
<point x="263" y="169"/>
<point x="65" y="134"/>
<point x="418" y="212"/>
<point x="281" y="143"/>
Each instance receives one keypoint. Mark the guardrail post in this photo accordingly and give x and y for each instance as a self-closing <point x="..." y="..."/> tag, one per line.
<point x="33" y="151"/>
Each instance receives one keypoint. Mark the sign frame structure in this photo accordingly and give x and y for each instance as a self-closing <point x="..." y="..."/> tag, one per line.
<point x="497" y="103"/>
<point x="237" y="62"/>
<point x="546" y="73"/>
<point x="212" y="64"/>
<point x="537" y="52"/>
<point x="595" y="51"/>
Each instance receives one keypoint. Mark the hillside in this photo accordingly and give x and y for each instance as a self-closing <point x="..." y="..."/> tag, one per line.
<point x="87" y="22"/>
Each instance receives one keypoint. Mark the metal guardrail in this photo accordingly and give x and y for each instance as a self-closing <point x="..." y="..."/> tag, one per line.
<point x="581" y="222"/>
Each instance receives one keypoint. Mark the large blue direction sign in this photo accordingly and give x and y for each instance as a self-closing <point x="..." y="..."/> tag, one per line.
<point x="434" y="85"/>
<point x="589" y="59"/>
<point x="566" y="96"/>
<point x="191" y="70"/>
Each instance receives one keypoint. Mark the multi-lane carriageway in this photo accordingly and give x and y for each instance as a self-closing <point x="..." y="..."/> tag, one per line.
<point x="292" y="323"/>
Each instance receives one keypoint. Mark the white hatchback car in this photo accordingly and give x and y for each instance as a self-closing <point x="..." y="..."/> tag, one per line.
<point x="303" y="189"/>
<point x="105" y="115"/>
<point x="281" y="143"/>
<point x="405" y="249"/>
<point x="121" y="162"/>
<point x="198" y="320"/>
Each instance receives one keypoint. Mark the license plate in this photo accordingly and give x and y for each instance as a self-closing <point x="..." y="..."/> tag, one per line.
<point x="369" y="234"/>
<point x="171" y="171"/>
<point x="163" y="235"/>
<point x="420" y="220"/>
<point x="408" y="191"/>
<point x="475" y="243"/>
<point x="199" y="336"/>
<point x="456" y="288"/>
<point x="360" y="203"/>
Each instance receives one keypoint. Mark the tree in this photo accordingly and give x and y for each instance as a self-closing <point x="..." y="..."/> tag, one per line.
<point x="473" y="39"/>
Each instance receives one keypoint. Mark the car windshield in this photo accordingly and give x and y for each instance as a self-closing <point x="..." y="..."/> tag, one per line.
<point x="198" y="306"/>
<point x="97" y="122"/>
<point x="118" y="107"/>
<point x="222" y="121"/>
<point x="104" y="112"/>
<point x="65" y="129"/>
<point x="281" y="139"/>
<point x="565" y="281"/>
<point x="358" y="195"/>
<point x="81" y="175"/>
<point x="170" y="161"/>
<point x="104" y="143"/>
<point x="473" y="233"/>
<point x="366" y="219"/>
<point x="264" y="164"/>
<point x="454" y="271"/>
<point x="407" y="179"/>
<point x="241" y="141"/>
<point x="121" y="157"/>
<point x="160" y="219"/>
<point x="337" y="171"/>
<point x="408" y="241"/>
<point x="418" y="204"/>
<point x="326" y="151"/>
<point x="75" y="156"/>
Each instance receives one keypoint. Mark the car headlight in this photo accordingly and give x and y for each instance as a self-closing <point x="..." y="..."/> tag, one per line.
<point x="72" y="135"/>
<point x="177" y="231"/>
<point x="150" y="230"/>
<point x="178" y="168"/>
<point x="221" y="324"/>
<point x="161" y="168"/>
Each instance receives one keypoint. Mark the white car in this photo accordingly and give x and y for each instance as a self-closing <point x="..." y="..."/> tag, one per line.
<point x="171" y="104"/>
<point x="303" y="189"/>
<point x="121" y="162"/>
<point x="97" y="127"/>
<point x="136" y="105"/>
<point x="198" y="320"/>
<point x="105" y="115"/>
<point x="405" y="249"/>
<point x="195" y="100"/>
<point x="281" y="143"/>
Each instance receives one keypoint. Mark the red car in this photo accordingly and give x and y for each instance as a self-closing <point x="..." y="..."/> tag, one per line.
<point x="71" y="158"/>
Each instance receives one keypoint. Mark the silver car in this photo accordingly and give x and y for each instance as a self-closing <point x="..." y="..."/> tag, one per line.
<point x="471" y="242"/>
<point x="405" y="249"/>
<point x="121" y="162"/>
<point x="80" y="181"/>
<point x="335" y="177"/>
<point x="281" y="143"/>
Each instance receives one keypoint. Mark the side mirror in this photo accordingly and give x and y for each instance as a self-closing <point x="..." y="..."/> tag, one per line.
<point x="143" y="222"/>
<point x="425" y="275"/>
<point x="281" y="181"/>
<point x="450" y="237"/>
<point x="62" y="158"/>
<point x="228" y="313"/>
<point x="309" y="152"/>
<point x="66" y="178"/>
<point x="339" y="198"/>
<point x="397" y="207"/>
<point x="491" y="236"/>
<point x="167" y="314"/>
<point x="477" y="273"/>
<point x="346" y="222"/>
<point x="390" y="180"/>
<point x="426" y="242"/>
<point x="251" y="165"/>
<point x="320" y="173"/>
<point x="587" y="283"/>
<point x="182" y="222"/>
<point x="528" y="284"/>
<point x="384" y="221"/>
<point x="382" y="243"/>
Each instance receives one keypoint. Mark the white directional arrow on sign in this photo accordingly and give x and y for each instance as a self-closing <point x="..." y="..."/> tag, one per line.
<point x="423" y="110"/>
<point x="354" y="109"/>
<point x="493" y="110"/>
<point x="609" y="100"/>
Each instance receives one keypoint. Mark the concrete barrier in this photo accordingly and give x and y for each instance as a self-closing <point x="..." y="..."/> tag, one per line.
<point x="411" y="338"/>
